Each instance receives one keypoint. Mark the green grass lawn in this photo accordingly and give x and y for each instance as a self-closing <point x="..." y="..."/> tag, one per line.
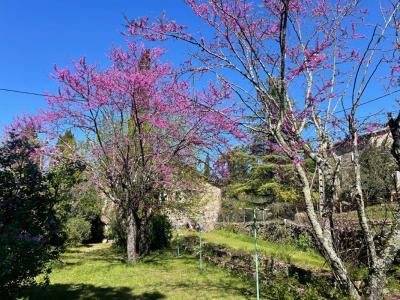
<point x="98" y="272"/>
<point x="310" y="260"/>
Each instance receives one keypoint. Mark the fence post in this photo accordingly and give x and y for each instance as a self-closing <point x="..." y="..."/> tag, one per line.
<point x="200" y="254"/>
<point x="256" y="252"/>
<point x="177" y="240"/>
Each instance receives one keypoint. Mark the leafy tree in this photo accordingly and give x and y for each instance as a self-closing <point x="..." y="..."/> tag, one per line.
<point x="377" y="173"/>
<point x="266" y="178"/>
<point x="78" y="206"/>
<point x="30" y="235"/>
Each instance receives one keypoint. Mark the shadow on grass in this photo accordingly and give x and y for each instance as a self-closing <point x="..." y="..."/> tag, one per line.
<point x="76" y="257"/>
<point x="86" y="291"/>
<point x="160" y="258"/>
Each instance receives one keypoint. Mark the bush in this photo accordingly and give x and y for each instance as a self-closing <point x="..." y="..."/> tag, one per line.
<point x="78" y="202"/>
<point x="30" y="235"/>
<point x="116" y="231"/>
<point x="86" y="212"/>
<point x="78" y="230"/>
<point x="303" y="242"/>
<point x="160" y="232"/>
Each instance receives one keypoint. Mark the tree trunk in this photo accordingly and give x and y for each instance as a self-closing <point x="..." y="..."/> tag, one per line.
<point x="362" y="217"/>
<point x="131" y="240"/>
<point x="375" y="286"/>
<point x="378" y="275"/>
<point x="325" y="244"/>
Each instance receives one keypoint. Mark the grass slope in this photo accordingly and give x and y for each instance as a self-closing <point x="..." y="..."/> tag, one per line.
<point x="384" y="212"/>
<point x="98" y="272"/>
<point x="309" y="260"/>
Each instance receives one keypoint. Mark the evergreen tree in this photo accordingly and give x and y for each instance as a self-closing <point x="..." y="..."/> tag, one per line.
<point x="30" y="233"/>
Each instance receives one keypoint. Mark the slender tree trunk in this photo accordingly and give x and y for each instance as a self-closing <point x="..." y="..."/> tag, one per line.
<point x="131" y="240"/>
<point x="325" y="243"/>
<point x="362" y="217"/>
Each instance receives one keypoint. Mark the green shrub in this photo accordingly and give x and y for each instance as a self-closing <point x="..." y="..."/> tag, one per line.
<point x="160" y="232"/>
<point x="116" y="231"/>
<point x="78" y="230"/>
<point x="303" y="242"/>
<point x="289" y="288"/>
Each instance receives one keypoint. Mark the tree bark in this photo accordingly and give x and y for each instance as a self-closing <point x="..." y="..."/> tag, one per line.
<point x="367" y="233"/>
<point x="375" y="286"/>
<point x="378" y="275"/>
<point x="325" y="244"/>
<point x="131" y="241"/>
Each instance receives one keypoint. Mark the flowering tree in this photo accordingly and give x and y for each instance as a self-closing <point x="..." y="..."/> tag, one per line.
<point x="140" y="122"/>
<point x="293" y="65"/>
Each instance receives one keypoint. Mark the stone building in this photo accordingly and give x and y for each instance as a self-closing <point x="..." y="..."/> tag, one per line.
<point x="200" y="212"/>
<point x="379" y="138"/>
<point x="203" y="215"/>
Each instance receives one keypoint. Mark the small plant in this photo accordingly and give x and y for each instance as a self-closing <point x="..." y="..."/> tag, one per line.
<point x="303" y="242"/>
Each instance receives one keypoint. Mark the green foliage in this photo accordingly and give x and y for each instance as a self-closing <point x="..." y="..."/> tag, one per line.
<point x="281" y="192"/>
<point x="64" y="175"/>
<point x="78" y="230"/>
<point x="116" y="231"/>
<point x="358" y="272"/>
<point x="160" y="232"/>
<point x="30" y="233"/>
<point x="261" y="178"/>
<point x="78" y="202"/>
<point x="87" y="208"/>
<point x="377" y="170"/>
<point x="304" y="242"/>
<point x="239" y="165"/>
<point x="293" y="288"/>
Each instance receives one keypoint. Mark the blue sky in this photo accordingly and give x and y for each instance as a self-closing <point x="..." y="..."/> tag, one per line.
<point x="36" y="35"/>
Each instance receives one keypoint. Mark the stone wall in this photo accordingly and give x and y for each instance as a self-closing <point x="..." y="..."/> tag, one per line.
<point x="204" y="216"/>
<point x="348" y="237"/>
<point x="243" y="262"/>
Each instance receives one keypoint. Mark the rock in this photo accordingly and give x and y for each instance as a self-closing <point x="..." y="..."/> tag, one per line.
<point x="301" y="218"/>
